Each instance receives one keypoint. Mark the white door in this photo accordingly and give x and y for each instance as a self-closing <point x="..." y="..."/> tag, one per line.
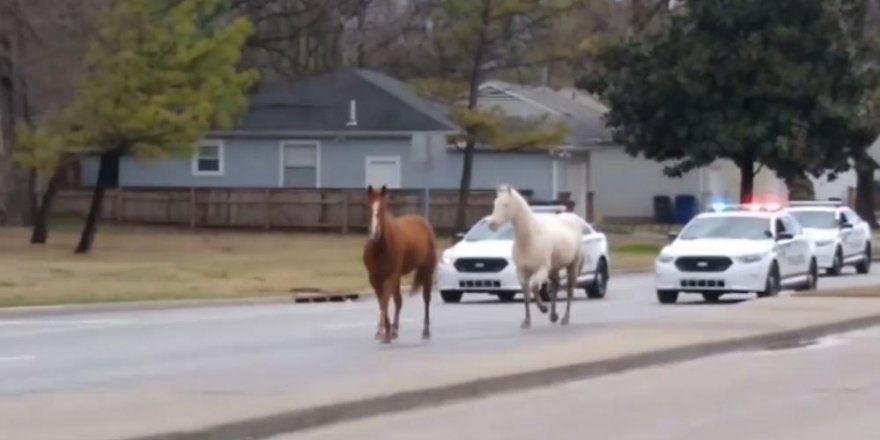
<point x="576" y="184"/>
<point x="383" y="170"/>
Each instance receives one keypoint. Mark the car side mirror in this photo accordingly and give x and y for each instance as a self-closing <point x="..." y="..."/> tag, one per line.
<point x="784" y="236"/>
<point x="672" y="236"/>
<point x="846" y="225"/>
<point x="459" y="236"/>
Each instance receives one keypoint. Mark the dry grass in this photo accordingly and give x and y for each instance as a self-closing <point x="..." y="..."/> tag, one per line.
<point x="135" y="264"/>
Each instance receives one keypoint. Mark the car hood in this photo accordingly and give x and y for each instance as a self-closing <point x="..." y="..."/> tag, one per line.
<point x="485" y="248"/>
<point x="820" y="234"/>
<point x="728" y="247"/>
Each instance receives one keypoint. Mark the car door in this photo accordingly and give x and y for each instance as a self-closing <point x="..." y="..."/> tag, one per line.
<point x="783" y="248"/>
<point x="799" y="251"/>
<point x="591" y="248"/>
<point x="856" y="237"/>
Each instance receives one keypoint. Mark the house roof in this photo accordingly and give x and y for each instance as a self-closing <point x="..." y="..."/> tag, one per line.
<point x="323" y="103"/>
<point x="580" y="111"/>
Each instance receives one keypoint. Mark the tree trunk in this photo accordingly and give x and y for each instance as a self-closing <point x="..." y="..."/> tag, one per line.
<point x="41" y="217"/>
<point x="747" y="181"/>
<point x="865" y="194"/>
<point x="464" y="189"/>
<point x="109" y="161"/>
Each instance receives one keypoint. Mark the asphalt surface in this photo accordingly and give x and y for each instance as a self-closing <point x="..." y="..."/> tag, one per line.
<point x="820" y="392"/>
<point x="267" y="348"/>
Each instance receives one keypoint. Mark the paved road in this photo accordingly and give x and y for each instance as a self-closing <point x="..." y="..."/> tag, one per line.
<point x="292" y="347"/>
<point x="823" y="392"/>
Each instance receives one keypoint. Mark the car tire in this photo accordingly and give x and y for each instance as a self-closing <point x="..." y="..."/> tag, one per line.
<point x="506" y="296"/>
<point x="451" y="296"/>
<point x="813" y="279"/>
<point x="773" y="284"/>
<point x="837" y="266"/>
<point x="598" y="288"/>
<point x="667" y="296"/>
<point x="711" y="297"/>
<point x="864" y="266"/>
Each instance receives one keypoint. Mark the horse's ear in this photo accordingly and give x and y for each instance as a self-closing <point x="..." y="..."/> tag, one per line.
<point x="384" y="190"/>
<point x="369" y="189"/>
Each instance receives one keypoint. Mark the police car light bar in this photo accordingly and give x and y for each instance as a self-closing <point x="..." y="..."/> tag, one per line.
<point x="548" y="208"/>
<point x="830" y="203"/>
<point x="756" y="207"/>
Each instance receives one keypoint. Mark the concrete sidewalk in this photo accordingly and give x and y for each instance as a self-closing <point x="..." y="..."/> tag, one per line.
<point x="184" y="410"/>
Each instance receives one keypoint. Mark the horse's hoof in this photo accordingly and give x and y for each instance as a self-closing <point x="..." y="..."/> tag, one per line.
<point x="378" y="335"/>
<point x="426" y="335"/>
<point x="386" y="339"/>
<point x="542" y="308"/>
<point x="564" y="320"/>
<point x="393" y="335"/>
<point x="525" y="325"/>
<point x="554" y="317"/>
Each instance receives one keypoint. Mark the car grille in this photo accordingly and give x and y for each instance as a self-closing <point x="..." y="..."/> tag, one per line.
<point x="483" y="265"/>
<point x="689" y="284"/>
<point x="703" y="264"/>
<point x="471" y="284"/>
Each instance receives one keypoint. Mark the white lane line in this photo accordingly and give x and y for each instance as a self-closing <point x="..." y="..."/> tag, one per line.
<point x="83" y="322"/>
<point x="349" y="325"/>
<point x="10" y="359"/>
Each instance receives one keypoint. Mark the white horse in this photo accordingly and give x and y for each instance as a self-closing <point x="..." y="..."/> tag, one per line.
<point x="541" y="248"/>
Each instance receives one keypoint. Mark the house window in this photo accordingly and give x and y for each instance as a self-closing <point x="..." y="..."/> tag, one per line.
<point x="383" y="170"/>
<point x="300" y="164"/>
<point x="208" y="159"/>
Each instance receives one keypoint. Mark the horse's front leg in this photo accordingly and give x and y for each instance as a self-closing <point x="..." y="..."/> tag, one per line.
<point x="377" y="283"/>
<point x="535" y="282"/>
<point x="388" y="290"/>
<point x="398" y="304"/>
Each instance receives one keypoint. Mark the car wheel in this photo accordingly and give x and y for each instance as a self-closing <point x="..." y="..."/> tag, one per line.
<point x="506" y="296"/>
<point x="711" y="297"/>
<point x="450" y="296"/>
<point x="598" y="288"/>
<point x="864" y="266"/>
<point x="773" y="284"/>
<point x="812" y="278"/>
<point x="837" y="266"/>
<point x="667" y="296"/>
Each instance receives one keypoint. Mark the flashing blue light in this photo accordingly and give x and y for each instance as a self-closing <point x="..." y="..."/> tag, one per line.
<point x="718" y="204"/>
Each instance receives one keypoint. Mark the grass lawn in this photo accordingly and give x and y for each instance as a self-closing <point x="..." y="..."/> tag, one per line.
<point x="140" y="263"/>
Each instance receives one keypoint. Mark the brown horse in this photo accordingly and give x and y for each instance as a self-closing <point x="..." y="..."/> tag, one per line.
<point x="395" y="248"/>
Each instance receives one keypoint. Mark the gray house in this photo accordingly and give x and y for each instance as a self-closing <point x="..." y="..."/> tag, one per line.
<point x="346" y="129"/>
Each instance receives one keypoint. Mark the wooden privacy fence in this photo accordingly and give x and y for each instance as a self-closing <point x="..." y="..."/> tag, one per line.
<point x="270" y="208"/>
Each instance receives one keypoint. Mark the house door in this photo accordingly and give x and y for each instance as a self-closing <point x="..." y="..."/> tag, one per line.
<point x="576" y="182"/>
<point x="383" y="170"/>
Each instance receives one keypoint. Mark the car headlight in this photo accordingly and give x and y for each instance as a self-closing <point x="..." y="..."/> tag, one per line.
<point x="447" y="258"/>
<point x="750" y="258"/>
<point x="823" y="243"/>
<point x="665" y="258"/>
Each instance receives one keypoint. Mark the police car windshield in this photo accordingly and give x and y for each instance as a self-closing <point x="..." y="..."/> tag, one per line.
<point x="746" y="228"/>
<point x="815" y="219"/>
<point x="481" y="231"/>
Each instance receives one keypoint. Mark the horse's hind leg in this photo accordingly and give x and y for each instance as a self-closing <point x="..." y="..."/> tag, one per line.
<point x="572" y="273"/>
<point x="552" y="288"/>
<point x="427" y="284"/>
<point x="527" y="295"/>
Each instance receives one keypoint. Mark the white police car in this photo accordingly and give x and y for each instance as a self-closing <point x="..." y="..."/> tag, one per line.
<point x="482" y="262"/>
<point x="841" y="237"/>
<point x="736" y="249"/>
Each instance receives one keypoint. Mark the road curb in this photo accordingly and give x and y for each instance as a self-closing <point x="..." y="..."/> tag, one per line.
<point x="302" y="419"/>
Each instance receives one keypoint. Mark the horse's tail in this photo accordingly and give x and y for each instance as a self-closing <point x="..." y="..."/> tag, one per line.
<point x="424" y="274"/>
